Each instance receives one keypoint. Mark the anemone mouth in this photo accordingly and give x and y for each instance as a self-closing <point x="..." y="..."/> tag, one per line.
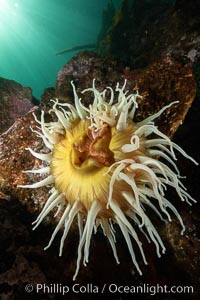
<point x="85" y="154"/>
<point x="104" y="169"/>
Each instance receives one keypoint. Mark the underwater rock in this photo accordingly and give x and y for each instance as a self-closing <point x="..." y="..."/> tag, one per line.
<point x="185" y="250"/>
<point x="49" y="93"/>
<point x="164" y="81"/>
<point x="107" y="20"/>
<point x="143" y="31"/>
<point x="23" y="260"/>
<point x="15" y="101"/>
<point x="13" y="156"/>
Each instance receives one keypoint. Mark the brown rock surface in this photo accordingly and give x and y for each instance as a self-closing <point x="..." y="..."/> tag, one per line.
<point x="145" y="30"/>
<point x="15" y="101"/>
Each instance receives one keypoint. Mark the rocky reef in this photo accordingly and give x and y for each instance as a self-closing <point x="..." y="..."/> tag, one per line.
<point x="15" y="101"/>
<point x="143" y="31"/>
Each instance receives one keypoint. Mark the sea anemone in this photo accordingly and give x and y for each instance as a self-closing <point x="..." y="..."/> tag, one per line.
<point x="104" y="169"/>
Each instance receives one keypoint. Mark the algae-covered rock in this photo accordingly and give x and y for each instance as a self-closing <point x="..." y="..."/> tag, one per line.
<point x="15" y="101"/>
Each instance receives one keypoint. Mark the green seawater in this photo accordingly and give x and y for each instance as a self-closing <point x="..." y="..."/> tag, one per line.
<point x="32" y="31"/>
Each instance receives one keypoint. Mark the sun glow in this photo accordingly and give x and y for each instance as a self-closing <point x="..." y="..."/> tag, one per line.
<point x="32" y="31"/>
<point x="10" y="17"/>
<point x="4" y="6"/>
<point x="8" y="8"/>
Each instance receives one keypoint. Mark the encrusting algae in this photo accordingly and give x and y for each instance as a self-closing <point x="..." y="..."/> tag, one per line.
<point x="104" y="170"/>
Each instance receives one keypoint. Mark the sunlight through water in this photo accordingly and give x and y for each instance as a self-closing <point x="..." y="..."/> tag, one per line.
<point x="32" y="31"/>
